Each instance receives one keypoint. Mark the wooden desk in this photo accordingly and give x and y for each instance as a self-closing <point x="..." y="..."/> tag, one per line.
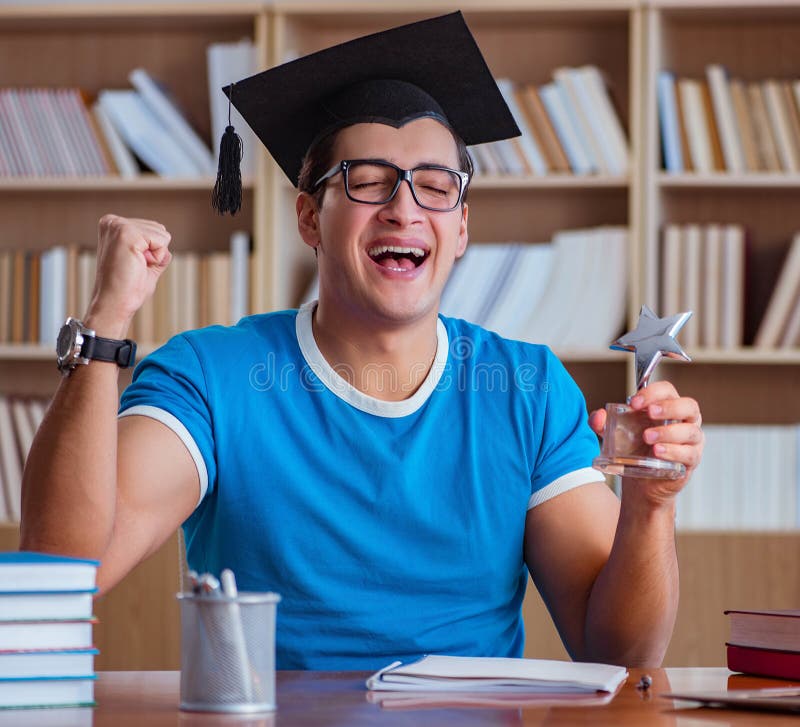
<point x="339" y="699"/>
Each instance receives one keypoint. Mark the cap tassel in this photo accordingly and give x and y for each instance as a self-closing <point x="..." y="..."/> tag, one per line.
<point x="227" y="194"/>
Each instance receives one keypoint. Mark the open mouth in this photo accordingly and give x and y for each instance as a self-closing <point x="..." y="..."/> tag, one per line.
<point x="396" y="257"/>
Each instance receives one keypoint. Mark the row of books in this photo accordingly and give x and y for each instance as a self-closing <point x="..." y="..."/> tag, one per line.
<point x="39" y="289"/>
<point x="63" y="133"/>
<point x="719" y="123"/>
<point x="748" y="479"/>
<point x="19" y="420"/>
<point x="569" y="125"/>
<point x="197" y="290"/>
<point x="568" y="293"/>
<point x="46" y="649"/>
<point x="703" y="271"/>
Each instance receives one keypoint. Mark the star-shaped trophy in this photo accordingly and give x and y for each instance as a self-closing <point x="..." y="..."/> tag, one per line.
<point x="624" y="450"/>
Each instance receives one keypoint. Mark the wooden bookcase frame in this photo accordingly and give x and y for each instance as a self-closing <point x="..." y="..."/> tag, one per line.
<point x="94" y="46"/>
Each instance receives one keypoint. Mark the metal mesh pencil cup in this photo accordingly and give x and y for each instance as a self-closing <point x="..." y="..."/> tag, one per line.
<point x="228" y="652"/>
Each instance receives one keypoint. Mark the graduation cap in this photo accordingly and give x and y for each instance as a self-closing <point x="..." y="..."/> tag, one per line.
<point x="432" y="68"/>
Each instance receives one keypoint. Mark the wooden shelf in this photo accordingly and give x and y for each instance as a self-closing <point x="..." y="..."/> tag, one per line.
<point x="145" y="182"/>
<point x="552" y="181"/>
<point x="368" y="10"/>
<point x="749" y="356"/>
<point x="723" y="181"/>
<point x="37" y="352"/>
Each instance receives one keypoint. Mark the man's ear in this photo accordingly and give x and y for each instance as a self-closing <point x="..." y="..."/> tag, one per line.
<point x="463" y="234"/>
<point x="308" y="219"/>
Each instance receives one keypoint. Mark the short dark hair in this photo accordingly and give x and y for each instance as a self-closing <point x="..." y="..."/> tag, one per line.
<point x="319" y="159"/>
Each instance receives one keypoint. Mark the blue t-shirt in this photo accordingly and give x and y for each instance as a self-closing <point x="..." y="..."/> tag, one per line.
<point x="390" y="529"/>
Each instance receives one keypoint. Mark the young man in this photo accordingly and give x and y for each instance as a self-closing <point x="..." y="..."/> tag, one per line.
<point x="396" y="514"/>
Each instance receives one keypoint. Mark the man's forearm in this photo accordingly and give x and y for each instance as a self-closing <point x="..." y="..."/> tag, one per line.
<point x="634" y="601"/>
<point x="69" y="484"/>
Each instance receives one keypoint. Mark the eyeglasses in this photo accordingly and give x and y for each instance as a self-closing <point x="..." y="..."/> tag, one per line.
<point x="374" y="181"/>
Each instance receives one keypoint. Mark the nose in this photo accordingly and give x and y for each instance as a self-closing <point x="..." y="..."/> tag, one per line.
<point x="402" y="209"/>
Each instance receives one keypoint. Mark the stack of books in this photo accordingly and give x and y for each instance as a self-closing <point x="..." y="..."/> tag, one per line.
<point x="765" y="643"/>
<point x="46" y="652"/>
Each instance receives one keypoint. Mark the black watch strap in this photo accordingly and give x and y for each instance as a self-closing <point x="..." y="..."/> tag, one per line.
<point x="122" y="353"/>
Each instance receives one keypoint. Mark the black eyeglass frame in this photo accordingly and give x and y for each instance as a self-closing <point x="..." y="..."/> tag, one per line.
<point x="403" y="175"/>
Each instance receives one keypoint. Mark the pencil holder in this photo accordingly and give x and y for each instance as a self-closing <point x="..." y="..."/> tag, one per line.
<point x="228" y="652"/>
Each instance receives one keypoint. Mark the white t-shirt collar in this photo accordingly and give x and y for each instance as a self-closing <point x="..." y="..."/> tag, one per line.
<point x="348" y="393"/>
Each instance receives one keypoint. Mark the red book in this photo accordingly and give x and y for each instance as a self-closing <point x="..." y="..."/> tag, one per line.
<point x="764" y="662"/>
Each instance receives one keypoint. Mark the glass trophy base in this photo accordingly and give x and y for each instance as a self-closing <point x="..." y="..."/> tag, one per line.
<point x="641" y="467"/>
<point x="625" y="453"/>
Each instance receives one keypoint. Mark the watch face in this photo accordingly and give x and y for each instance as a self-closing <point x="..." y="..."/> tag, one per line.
<point x="64" y="342"/>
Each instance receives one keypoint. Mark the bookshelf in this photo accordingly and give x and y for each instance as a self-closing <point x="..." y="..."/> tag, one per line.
<point x="95" y="46"/>
<point x="752" y="41"/>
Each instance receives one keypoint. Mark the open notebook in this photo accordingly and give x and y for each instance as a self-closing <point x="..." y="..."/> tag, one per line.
<point x="494" y="674"/>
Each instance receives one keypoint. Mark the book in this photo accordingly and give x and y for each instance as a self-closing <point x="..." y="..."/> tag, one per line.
<point x="229" y="62"/>
<point x="669" y="124"/>
<point x="124" y="161"/>
<point x="779" y="120"/>
<point x="54" y="634"/>
<point x="693" y="109"/>
<point x="765" y="629"/>
<point x="764" y="662"/>
<point x="47" y="692"/>
<point x="713" y="128"/>
<point x="543" y="129"/>
<point x="35" y="572"/>
<point x="792" y="116"/>
<point x="727" y="125"/>
<point x="52" y="605"/>
<point x="145" y="134"/>
<point x="671" y="278"/>
<point x="495" y="674"/>
<point x="711" y="293"/>
<point x="585" y="118"/>
<point x="531" y="154"/>
<point x="791" y="333"/>
<point x="765" y="136"/>
<point x="733" y="285"/>
<point x="692" y="284"/>
<point x="568" y="135"/>
<point x="613" y="132"/>
<point x="10" y="465"/>
<point x="787" y="290"/>
<point x="240" y="275"/>
<point x="746" y="125"/>
<point x="165" y="109"/>
<point x="41" y="663"/>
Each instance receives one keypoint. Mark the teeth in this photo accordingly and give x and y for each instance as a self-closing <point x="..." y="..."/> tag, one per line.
<point x="381" y="249"/>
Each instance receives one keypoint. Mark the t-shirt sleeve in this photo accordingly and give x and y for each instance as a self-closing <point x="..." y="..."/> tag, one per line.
<point x="169" y="386"/>
<point x="568" y="444"/>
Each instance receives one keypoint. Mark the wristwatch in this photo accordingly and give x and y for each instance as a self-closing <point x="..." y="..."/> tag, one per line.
<point x="78" y="344"/>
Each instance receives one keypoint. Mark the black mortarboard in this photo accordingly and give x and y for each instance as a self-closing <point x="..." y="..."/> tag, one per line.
<point x="429" y="68"/>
